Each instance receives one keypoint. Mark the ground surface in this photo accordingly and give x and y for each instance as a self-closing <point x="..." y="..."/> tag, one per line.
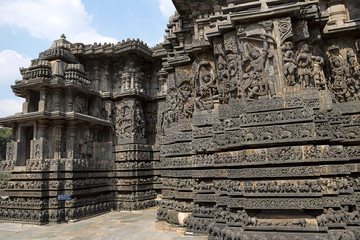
<point x="139" y="225"/>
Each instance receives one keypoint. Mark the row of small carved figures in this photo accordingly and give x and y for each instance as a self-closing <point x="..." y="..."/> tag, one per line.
<point x="62" y="184"/>
<point x="178" y="183"/>
<point x="83" y="164"/>
<point x="7" y="165"/>
<point x="128" y="206"/>
<point x="54" y="202"/>
<point x="287" y="186"/>
<point x="154" y="179"/>
<point x="218" y="213"/>
<point x="263" y="155"/>
<point x="80" y="212"/>
<point x="27" y="215"/>
<point x="180" y="206"/>
<point x="281" y="133"/>
<point x="281" y="116"/>
<point x="329" y="216"/>
<point x="137" y="195"/>
<point x="54" y="215"/>
<point x="261" y="134"/>
<point x="303" y="186"/>
<point x="228" y="233"/>
<point x="265" y="118"/>
<point x="135" y="165"/>
<point x="132" y="155"/>
<point x="283" y="186"/>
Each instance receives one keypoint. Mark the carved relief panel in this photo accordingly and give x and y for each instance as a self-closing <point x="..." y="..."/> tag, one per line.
<point x="246" y="62"/>
<point x="344" y="71"/>
<point x="130" y="122"/>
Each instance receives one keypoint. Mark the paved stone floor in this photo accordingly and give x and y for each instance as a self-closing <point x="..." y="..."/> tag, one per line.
<point x="139" y="225"/>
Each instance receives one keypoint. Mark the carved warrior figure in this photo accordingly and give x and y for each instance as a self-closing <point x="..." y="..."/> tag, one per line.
<point x="254" y="66"/>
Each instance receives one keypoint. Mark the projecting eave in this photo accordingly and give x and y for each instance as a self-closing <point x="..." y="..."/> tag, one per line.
<point x="21" y="86"/>
<point x="121" y="49"/>
<point x="53" y="116"/>
<point x="186" y="7"/>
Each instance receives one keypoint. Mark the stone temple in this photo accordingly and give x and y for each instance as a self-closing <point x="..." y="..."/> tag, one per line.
<point x="244" y="124"/>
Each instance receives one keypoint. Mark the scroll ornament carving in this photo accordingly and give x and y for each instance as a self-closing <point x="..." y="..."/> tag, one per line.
<point x="285" y="29"/>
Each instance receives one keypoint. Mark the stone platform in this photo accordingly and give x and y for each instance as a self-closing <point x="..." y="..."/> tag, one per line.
<point x="114" y="225"/>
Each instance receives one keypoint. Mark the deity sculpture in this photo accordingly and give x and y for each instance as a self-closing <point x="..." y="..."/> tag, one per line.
<point x="305" y="66"/>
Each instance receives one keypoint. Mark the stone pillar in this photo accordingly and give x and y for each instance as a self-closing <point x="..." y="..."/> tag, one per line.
<point x="42" y="127"/>
<point x="123" y="82"/>
<point x="128" y="81"/>
<point x="56" y="101"/>
<point x="43" y="99"/>
<point x="40" y="147"/>
<point x="70" y="100"/>
<point x="70" y="146"/>
<point x="57" y="140"/>
<point x="96" y="146"/>
<point x="25" y="107"/>
<point x="132" y="80"/>
<point x="196" y="31"/>
<point x="96" y="78"/>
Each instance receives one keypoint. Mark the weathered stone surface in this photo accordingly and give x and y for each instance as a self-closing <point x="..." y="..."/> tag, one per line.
<point x="243" y="124"/>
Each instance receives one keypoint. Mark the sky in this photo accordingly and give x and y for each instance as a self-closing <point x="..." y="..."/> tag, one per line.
<point x="28" y="27"/>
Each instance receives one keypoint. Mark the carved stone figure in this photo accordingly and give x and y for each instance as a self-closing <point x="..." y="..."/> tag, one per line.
<point x="289" y="63"/>
<point x="205" y="85"/>
<point x="305" y="66"/>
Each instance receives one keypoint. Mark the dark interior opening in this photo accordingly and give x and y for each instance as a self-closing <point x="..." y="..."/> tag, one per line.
<point x="25" y="147"/>
<point x="34" y="102"/>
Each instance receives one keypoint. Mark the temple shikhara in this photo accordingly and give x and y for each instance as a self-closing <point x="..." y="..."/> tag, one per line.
<point x="244" y="124"/>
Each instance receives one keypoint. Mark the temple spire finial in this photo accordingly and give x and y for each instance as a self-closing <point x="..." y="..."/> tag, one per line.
<point x="63" y="36"/>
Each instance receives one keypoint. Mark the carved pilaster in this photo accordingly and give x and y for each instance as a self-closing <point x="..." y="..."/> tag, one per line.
<point x="70" y="145"/>
<point x="43" y="99"/>
<point x="57" y="139"/>
<point x="25" y="106"/>
<point x="70" y="100"/>
<point x="56" y="100"/>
